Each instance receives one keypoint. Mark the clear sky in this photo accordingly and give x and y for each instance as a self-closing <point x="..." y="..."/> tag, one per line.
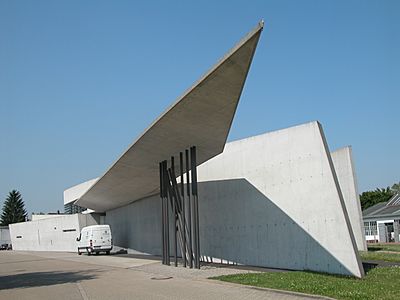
<point x="80" y="80"/>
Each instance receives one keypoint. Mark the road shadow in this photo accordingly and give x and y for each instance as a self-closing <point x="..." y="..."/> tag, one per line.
<point x="37" y="279"/>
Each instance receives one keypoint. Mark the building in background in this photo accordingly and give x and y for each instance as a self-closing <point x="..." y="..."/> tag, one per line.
<point x="381" y="221"/>
<point x="54" y="233"/>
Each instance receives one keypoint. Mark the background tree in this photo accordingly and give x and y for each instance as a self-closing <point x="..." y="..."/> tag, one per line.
<point x="396" y="188"/>
<point x="13" y="209"/>
<point x="371" y="198"/>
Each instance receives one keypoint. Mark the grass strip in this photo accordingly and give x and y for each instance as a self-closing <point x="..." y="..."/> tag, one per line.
<point x="384" y="247"/>
<point x="377" y="255"/>
<point x="379" y="283"/>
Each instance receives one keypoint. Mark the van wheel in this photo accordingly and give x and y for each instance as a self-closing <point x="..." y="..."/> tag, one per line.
<point x="108" y="252"/>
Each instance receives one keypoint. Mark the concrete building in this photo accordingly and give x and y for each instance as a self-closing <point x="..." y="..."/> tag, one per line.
<point x="263" y="202"/>
<point x="278" y="194"/>
<point x="381" y="221"/>
<point x="273" y="200"/>
<point x="57" y="233"/>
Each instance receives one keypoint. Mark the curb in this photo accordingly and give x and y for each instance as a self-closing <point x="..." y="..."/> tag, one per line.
<point x="285" y="292"/>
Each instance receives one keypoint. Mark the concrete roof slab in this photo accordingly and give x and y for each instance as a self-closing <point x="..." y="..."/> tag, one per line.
<point x="202" y="117"/>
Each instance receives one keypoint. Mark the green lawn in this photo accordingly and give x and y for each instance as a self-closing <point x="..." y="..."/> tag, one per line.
<point x="386" y="252"/>
<point x="384" y="247"/>
<point x="377" y="255"/>
<point x="379" y="283"/>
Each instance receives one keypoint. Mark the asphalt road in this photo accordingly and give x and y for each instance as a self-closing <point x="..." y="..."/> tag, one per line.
<point x="49" y="275"/>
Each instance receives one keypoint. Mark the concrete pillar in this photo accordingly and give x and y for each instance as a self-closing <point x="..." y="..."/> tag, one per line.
<point x="382" y="234"/>
<point x="396" y="230"/>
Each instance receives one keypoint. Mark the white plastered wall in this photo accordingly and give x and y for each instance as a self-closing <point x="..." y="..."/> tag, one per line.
<point x="344" y="167"/>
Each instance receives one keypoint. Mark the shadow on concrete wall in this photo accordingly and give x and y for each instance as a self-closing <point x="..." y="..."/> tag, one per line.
<point x="37" y="279"/>
<point x="238" y="223"/>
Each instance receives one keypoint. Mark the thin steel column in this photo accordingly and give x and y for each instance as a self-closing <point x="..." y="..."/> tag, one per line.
<point x="175" y="212"/>
<point x="189" y="209"/>
<point x="183" y="209"/>
<point x="162" y="213"/>
<point x="196" y="240"/>
<point x="166" y="214"/>
<point x="176" y="195"/>
<point x="185" y="225"/>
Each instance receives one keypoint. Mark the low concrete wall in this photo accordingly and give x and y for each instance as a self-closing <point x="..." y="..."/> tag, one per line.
<point x="272" y="200"/>
<point x="345" y="171"/>
<point x="42" y="217"/>
<point x="49" y="234"/>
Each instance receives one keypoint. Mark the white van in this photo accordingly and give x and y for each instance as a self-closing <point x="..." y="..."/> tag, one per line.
<point x="95" y="239"/>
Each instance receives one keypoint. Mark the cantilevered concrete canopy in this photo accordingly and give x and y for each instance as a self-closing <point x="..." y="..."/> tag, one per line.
<point x="202" y="117"/>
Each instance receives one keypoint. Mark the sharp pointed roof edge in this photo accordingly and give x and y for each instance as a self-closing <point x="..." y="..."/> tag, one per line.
<point x="202" y="116"/>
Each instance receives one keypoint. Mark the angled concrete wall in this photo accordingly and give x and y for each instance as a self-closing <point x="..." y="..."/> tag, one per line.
<point x="345" y="171"/>
<point x="272" y="200"/>
<point x="50" y="234"/>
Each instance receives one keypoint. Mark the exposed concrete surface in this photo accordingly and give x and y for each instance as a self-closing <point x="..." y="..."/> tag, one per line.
<point x="282" y="204"/>
<point x="269" y="200"/>
<point x="56" y="233"/>
<point x="345" y="171"/>
<point x="75" y="192"/>
<point x="60" y="275"/>
<point x="202" y="117"/>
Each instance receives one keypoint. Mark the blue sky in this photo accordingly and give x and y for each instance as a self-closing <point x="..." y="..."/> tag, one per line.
<point x="80" y="80"/>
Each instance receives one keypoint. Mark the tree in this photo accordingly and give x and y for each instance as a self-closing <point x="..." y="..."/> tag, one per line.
<point x="13" y="209"/>
<point x="371" y="198"/>
<point x="396" y="188"/>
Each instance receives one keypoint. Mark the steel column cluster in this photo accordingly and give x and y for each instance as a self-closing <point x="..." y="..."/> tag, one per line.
<point x="185" y="210"/>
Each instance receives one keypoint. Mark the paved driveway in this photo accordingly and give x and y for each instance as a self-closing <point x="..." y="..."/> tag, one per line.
<point x="45" y="275"/>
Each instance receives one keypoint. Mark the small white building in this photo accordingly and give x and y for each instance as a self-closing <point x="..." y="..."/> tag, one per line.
<point x="381" y="221"/>
<point x="55" y="233"/>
